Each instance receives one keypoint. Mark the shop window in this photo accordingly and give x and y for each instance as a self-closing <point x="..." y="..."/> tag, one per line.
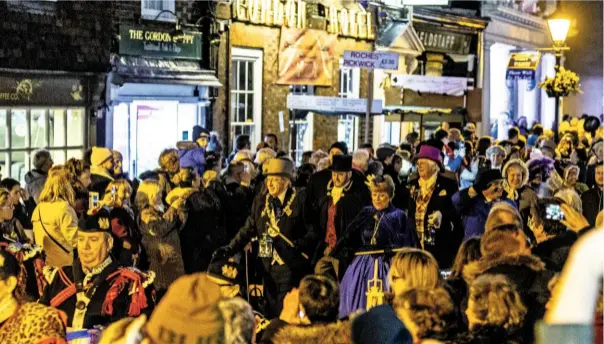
<point x="25" y="130"/>
<point x="348" y="125"/>
<point x="304" y="127"/>
<point x="151" y="8"/>
<point x="391" y="133"/>
<point x="246" y="94"/>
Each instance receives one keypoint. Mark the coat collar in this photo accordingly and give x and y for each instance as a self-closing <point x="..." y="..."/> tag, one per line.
<point x="477" y="268"/>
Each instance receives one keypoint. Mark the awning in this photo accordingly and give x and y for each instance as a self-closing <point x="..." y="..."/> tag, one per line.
<point x="423" y="114"/>
<point x="332" y="106"/>
<point x="161" y="71"/>
<point x="445" y="85"/>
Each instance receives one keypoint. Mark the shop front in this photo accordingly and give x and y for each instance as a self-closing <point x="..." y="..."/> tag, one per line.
<point x="42" y="109"/>
<point x="155" y="93"/>
<point x="274" y="49"/>
<point x="443" y="85"/>
<point x="511" y="97"/>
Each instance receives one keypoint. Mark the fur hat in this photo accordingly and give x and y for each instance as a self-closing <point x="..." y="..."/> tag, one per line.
<point x="100" y="155"/>
<point x="191" y="299"/>
<point x="97" y="222"/>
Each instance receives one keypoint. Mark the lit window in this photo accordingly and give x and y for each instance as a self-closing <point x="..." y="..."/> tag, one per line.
<point x="151" y="8"/>
<point x="348" y="125"/>
<point x="304" y="127"/>
<point x="59" y="130"/>
<point x="246" y="94"/>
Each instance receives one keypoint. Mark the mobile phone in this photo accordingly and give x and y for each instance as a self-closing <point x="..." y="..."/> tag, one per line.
<point x="93" y="200"/>
<point x="554" y="212"/>
<point x="444" y="274"/>
<point x="113" y="192"/>
<point x="246" y="168"/>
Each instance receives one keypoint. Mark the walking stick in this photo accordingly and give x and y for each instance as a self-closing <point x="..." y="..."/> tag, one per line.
<point x="247" y="279"/>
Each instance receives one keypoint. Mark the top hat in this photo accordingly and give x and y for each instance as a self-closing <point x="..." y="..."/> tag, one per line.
<point x="429" y="152"/>
<point x="278" y="167"/>
<point x="341" y="163"/>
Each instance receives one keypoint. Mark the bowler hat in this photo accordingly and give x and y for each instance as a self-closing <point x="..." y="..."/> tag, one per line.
<point x="278" y="167"/>
<point x="429" y="152"/>
<point x="341" y="163"/>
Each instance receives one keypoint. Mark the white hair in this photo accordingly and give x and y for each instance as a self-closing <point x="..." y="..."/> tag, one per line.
<point x="360" y="158"/>
<point x="571" y="198"/>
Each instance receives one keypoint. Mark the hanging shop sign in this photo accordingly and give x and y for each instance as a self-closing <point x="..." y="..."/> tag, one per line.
<point x="452" y="86"/>
<point x="371" y="60"/>
<point x="306" y="57"/>
<point x="292" y="13"/>
<point x="142" y="41"/>
<point x="523" y="65"/>
<point x="443" y="41"/>
<point x="332" y="105"/>
<point x="19" y="89"/>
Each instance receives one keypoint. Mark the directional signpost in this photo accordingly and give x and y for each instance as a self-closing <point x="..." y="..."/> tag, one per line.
<point x="370" y="60"/>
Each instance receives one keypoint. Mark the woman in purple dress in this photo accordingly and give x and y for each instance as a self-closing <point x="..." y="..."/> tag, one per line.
<point x="379" y="227"/>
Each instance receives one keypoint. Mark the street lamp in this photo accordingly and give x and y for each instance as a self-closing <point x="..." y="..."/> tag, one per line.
<point x="558" y="29"/>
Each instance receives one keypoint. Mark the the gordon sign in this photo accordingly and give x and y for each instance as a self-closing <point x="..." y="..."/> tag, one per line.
<point x="370" y="60"/>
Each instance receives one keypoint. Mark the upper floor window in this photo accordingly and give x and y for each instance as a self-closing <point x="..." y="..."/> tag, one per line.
<point x="246" y="94"/>
<point x="151" y="8"/>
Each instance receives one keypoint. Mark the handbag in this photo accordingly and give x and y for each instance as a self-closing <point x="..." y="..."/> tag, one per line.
<point x="50" y="236"/>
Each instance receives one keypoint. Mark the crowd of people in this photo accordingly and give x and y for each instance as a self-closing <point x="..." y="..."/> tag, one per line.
<point x="452" y="239"/>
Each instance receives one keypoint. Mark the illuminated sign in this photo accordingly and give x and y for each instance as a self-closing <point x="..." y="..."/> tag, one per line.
<point x="444" y="42"/>
<point x="140" y="41"/>
<point x="292" y="13"/>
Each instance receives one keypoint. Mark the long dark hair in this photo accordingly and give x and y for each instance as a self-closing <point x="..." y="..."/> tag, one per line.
<point x="468" y="252"/>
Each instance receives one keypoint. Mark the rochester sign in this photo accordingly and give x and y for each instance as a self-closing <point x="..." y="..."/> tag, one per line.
<point x="141" y="41"/>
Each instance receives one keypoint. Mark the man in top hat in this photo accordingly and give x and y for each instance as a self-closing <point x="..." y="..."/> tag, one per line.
<point x="340" y="205"/>
<point x="431" y="212"/>
<point x="285" y="238"/>
<point x="96" y="290"/>
<point x="318" y="183"/>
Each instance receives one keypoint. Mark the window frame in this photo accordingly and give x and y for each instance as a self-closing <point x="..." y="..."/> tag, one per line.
<point x="150" y="14"/>
<point x="8" y="151"/>
<point x="255" y="56"/>
<point x="354" y="93"/>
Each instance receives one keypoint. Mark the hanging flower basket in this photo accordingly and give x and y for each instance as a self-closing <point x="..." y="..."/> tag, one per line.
<point x="564" y="83"/>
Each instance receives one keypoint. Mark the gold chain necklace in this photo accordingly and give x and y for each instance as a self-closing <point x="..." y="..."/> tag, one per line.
<point x="375" y="230"/>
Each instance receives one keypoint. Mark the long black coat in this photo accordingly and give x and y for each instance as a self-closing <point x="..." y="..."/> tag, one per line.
<point x="450" y="234"/>
<point x="279" y="279"/>
<point x="348" y="207"/>
<point x="592" y="204"/>
<point x="316" y="188"/>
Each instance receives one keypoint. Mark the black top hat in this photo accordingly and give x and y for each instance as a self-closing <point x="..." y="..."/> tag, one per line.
<point x="341" y="163"/>
<point x="100" y="221"/>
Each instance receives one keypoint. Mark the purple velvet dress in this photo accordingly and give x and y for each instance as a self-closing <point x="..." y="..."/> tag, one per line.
<point x="392" y="232"/>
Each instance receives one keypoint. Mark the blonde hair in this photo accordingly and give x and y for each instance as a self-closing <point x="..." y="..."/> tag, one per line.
<point x="147" y="194"/>
<point x="58" y="188"/>
<point x="168" y="160"/>
<point x="264" y="154"/>
<point x="417" y="268"/>
<point x="495" y="302"/>
<point x="60" y="170"/>
<point x="4" y="193"/>
<point x="122" y="194"/>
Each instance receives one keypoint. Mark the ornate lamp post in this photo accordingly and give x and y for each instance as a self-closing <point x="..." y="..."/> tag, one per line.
<point x="558" y="29"/>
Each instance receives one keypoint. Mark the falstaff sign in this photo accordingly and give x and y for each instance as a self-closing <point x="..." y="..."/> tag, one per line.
<point x="443" y="41"/>
<point x="292" y="13"/>
<point x="141" y="41"/>
<point x="306" y="57"/>
<point x="18" y="89"/>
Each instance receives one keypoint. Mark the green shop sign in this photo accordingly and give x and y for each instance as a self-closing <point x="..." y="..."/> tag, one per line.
<point x="141" y="41"/>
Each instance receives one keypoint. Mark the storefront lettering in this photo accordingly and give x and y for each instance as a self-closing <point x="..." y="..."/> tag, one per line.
<point x="155" y="36"/>
<point x="23" y="91"/>
<point x="292" y="13"/>
<point x="349" y="23"/>
<point x="448" y="42"/>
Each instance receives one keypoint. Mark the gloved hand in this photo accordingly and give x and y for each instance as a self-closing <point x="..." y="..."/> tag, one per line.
<point x="223" y="252"/>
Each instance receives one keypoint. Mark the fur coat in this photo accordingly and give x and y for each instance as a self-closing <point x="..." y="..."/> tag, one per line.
<point x="331" y="333"/>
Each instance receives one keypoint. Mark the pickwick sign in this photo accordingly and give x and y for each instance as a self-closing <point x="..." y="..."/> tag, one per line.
<point x="16" y="89"/>
<point x="353" y="22"/>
